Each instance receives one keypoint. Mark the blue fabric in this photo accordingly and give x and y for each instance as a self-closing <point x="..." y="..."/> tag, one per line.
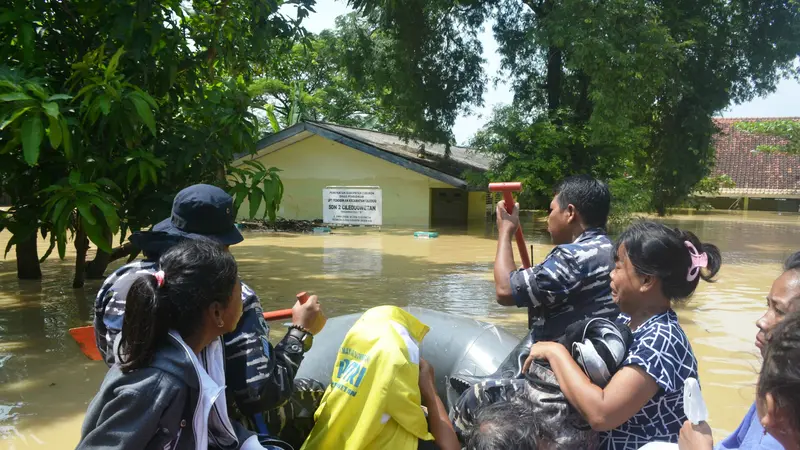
<point x="749" y="435"/>
<point x="571" y="284"/>
<point x="661" y="348"/>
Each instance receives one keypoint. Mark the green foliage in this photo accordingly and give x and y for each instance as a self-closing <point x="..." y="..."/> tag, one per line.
<point x="786" y="130"/>
<point x="603" y="87"/>
<point x="108" y="108"/>
<point x="257" y="184"/>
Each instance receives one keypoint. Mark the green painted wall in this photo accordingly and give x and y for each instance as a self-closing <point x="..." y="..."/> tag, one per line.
<point x="310" y="165"/>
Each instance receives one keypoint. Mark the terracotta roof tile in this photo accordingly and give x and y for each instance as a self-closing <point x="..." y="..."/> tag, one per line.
<point x="754" y="172"/>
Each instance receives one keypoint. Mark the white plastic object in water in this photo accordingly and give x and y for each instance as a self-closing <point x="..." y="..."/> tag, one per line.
<point x="693" y="404"/>
<point x="659" y="446"/>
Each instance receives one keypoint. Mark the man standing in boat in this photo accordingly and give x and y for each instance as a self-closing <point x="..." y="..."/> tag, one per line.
<point x="573" y="281"/>
<point x="259" y="377"/>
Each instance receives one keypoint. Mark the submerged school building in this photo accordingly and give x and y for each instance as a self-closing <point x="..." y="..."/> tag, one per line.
<point x="419" y="187"/>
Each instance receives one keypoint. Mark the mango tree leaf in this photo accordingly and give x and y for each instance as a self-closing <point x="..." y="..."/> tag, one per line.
<point x="104" y="103"/>
<point x="109" y="212"/>
<point x="14" y="117"/>
<point x="55" y="97"/>
<point x="142" y="174"/>
<point x="85" y="209"/>
<point x="131" y="175"/>
<point x="95" y="233"/>
<point x="273" y="121"/>
<point x="32" y="133"/>
<point x="112" y="65"/>
<point x="255" y="197"/>
<point x="54" y="131"/>
<point x="74" y="177"/>
<point x="49" y="249"/>
<point x="15" y="96"/>
<point x="59" y="209"/>
<point x="62" y="244"/>
<point x="51" y="109"/>
<point x="36" y="90"/>
<point x="13" y="143"/>
<point x="144" y="112"/>
<point x="108" y="183"/>
<point x="66" y="138"/>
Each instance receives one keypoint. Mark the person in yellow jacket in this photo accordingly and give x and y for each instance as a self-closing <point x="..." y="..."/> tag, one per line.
<point x="378" y="387"/>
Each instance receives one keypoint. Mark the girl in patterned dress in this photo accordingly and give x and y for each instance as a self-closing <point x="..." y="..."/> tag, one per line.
<point x="654" y="266"/>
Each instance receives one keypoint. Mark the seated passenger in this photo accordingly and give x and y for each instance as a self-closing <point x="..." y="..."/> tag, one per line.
<point x="378" y="389"/>
<point x="157" y="394"/>
<point x="598" y="345"/>
<point x="643" y="402"/>
<point x="783" y="298"/>
<point x="505" y="426"/>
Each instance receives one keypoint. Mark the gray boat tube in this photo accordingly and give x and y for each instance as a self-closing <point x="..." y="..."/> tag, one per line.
<point x="454" y="346"/>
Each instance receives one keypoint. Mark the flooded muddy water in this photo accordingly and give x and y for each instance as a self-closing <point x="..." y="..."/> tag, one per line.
<point x="46" y="383"/>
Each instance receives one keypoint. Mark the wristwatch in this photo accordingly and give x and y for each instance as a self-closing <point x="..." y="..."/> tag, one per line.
<point x="302" y="335"/>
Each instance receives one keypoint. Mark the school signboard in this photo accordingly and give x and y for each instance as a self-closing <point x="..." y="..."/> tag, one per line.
<point x="352" y="205"/>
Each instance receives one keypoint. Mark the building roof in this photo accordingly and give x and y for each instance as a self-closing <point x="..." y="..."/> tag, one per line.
<point x="754" y="173"/>
<point x="422" y="157"/>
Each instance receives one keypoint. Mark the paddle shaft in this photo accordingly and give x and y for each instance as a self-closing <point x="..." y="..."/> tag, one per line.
<point x="523" y="250"/>
<point x="84" y="336"/>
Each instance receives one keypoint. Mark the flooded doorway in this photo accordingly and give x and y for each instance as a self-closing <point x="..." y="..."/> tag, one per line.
<point x="449" y="207"/>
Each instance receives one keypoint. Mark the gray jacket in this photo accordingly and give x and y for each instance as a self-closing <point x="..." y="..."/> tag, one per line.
<point x="152" y="408"/>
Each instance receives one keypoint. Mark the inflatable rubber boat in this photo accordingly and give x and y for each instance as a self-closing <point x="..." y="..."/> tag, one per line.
<point x="454" y="345"/>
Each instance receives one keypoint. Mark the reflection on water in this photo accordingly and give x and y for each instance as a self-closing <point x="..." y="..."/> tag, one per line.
<point x="46" y="384"/>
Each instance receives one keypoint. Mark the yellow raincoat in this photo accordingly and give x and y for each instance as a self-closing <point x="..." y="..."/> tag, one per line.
<point x="373" y="401"/>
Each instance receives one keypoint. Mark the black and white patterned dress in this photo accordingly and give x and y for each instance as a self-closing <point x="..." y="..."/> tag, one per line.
<point x="661" y="348"/>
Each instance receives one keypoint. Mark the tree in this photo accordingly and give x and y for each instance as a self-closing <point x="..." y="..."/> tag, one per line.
<point x="787" y="132"/>
<point x="311" y="82"/>
<point x="629" y="85"/>
<point x="110" y="107"/>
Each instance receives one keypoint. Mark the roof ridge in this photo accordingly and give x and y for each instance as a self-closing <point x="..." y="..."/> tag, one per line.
<point x="349" y="127"/>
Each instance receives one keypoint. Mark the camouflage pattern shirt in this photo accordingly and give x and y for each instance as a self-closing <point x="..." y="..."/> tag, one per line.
<point x="571" y="284"/>
<point x="258" y="377"/>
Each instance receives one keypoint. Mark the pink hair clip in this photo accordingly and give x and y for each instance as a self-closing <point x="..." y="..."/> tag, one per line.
<point x="159" y="277"/>
<point x="699" y="260"/>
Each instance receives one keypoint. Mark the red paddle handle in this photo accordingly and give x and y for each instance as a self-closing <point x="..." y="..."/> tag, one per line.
<point x="284" y="314"/>
<point x="523" y="251"/>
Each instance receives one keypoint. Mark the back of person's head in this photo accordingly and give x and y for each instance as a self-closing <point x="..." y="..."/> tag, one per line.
<point x="590" y="197"/>
<point x="677" y="258"/>
<point x="780" y="374"/>
<point x="503" y="426"/>
<point x="194" y="274"/>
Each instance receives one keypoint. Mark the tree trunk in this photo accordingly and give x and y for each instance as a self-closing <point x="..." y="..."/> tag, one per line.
<point x="97" y="267"/>
<point x="28" y="267"/>
<point x="81" y="247"/>
<point x="554" y="78"/>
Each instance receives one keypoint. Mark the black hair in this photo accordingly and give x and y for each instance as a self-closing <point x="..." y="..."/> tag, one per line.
<point x="503" y="426"/>
<point x="197" y="273"/>
<point x="660" y="251"/>
<point x="792" y="262"/>
<point x="590" y="197"/>
<point x="780" y="373"/>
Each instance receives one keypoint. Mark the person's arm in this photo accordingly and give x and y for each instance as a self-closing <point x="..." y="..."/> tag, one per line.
<point x="262" y="377"/>
<point x="605" y="409"/>
<point x="507" y="225"/>
<point x="695" y="437"/>
<point x="440" y="426"/>
<point x="129" y="421"/>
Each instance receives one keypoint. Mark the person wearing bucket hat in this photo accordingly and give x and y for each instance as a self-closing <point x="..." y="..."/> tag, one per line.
<point x="259" y="376"/>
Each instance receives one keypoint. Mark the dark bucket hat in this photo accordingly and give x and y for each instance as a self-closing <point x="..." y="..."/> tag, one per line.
<point x="202" y="211"/>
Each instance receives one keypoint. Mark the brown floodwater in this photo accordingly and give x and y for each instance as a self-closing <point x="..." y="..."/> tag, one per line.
<point x="46" y="383"/>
